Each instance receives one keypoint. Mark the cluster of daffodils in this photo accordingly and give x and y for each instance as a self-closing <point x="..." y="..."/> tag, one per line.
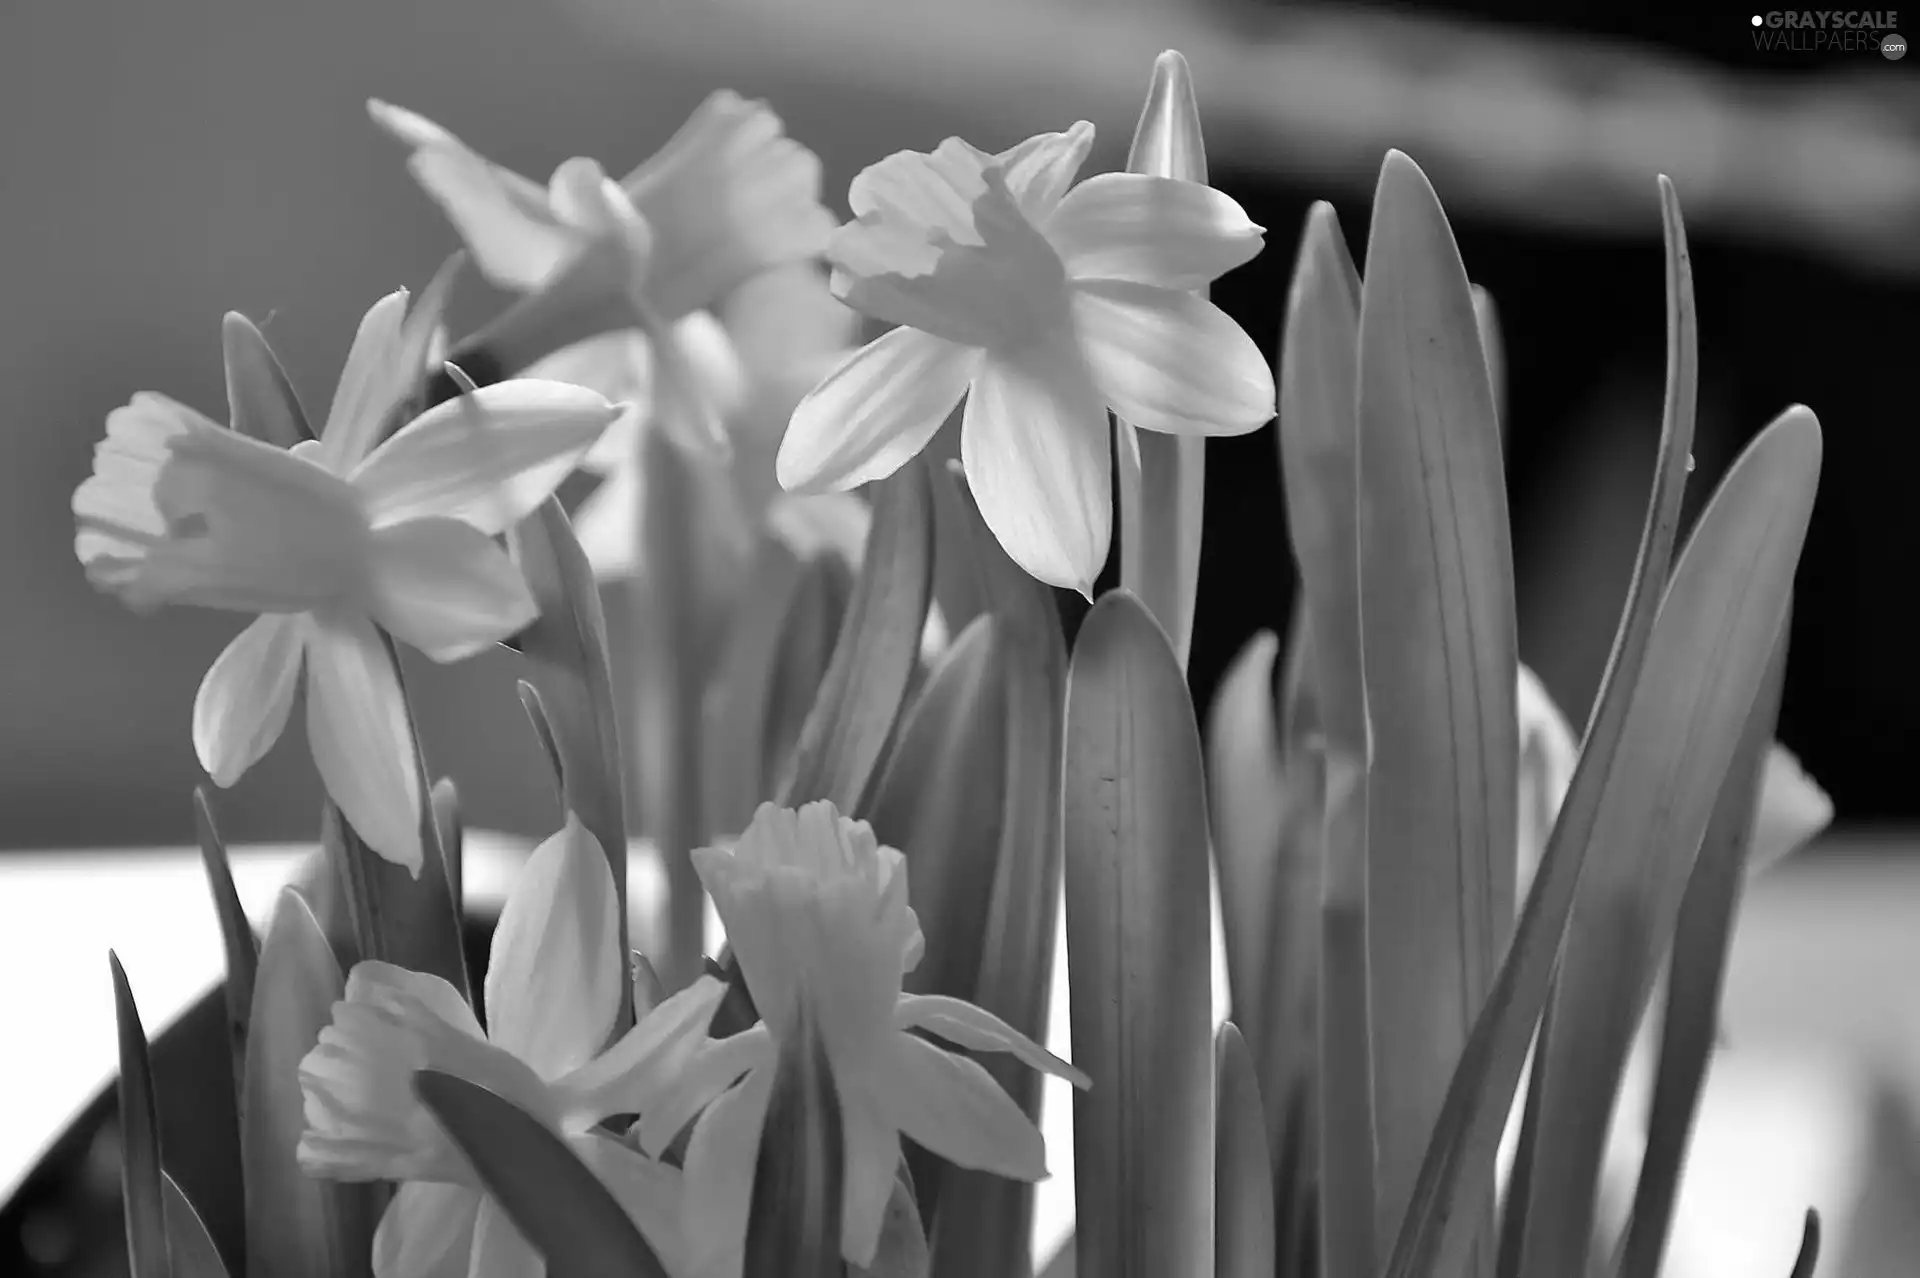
<point x="845" y="662"/>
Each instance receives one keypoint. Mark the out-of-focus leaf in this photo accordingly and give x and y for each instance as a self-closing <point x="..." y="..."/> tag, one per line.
<point x="1692" y="1019"/>
<point x="799" y="1182"/>
<point x="543" y="732"/>
<point x="1243" y="1233"/>
<point x="1809" y="1257"/>
<point x="983" y="1223"/>
<point x="395" y="917"/>
<point x="938" y="801"/>
<point x="445" y="800"/>
<point x="298" y="1226"/>
<point x="1647" y="779"/>
<point x="1163" y="477"/>
<point x="143" y="1199"/>
<point x="879" y="645"/>
<point x="192" y="1249"/>
<point x="1625" y="906"/>
<point x="261" y="398"/>
<point x="1249" y="810"/>
<point x="242" y="947"/>
<point x="566" y="653"/>
<point x="1439" y="653"/>
<point x="1320" y="441"/>
<point x="1138" y="919"/>
<point x="551" y="1197"/>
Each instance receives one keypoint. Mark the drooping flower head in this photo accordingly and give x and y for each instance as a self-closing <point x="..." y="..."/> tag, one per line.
<point x="817" y="913"/>
<point x="330" y="542"/>
<point x="728" y="196"/>
<point x="1043" y="307"/>
<point x="552" y="991"/>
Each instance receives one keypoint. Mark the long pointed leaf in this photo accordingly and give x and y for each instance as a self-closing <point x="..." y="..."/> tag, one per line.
<point x="1702" y="936"/>
<point x="984" y="1222"/>
<point x="242" y="947"/>
<point x="1652" y="777"/>
<point x="192" y="1249"/>
<point x="566" y="653"/>
<point x="445" y="801"/>
<point x="1164" y="477"/>
<point x="259" y="394"/>
<point x="1438" y="649"/>
<point x="878" y="649"/>
<point x="1479" y="1098"/>
<point x="1138" y="919"/>
<point x="297" y="1226"/>
<point x="938" y="801"/>
<point x="141" y="1193"/>
<point x="1809" y="1257"/>
<point x="1248" y="805"/>
<point x="1242" y="1172"/>
<point x="552" y="1197"/>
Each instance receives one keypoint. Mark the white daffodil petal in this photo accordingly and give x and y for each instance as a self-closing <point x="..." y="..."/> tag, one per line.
<point x="1040" y="170"/>
<point x="634" y="1074"/>
<point x="368" y="383"/>
<point x="874" y="412"/>
<point x="555" y="970"/>
<point x="998" y="287"/>
<point x="363" y="1119"/>
<point x="1791" y="810"/>
<point x="357" y="729"/>
<point x="244" y="700"/>
<point x="1171" y="361"/>
<point x="780" y="319"/>
<point x="1034" y="446"/>
<point x="727" y="197"/>
<point x="616" y="365"/>
<point x="871" y="1147"/>
<point x="515" y="239"/>
<point x="721" y="1160"/>
<point x="488" y="458"/>
<point x="607" y="524"/>
<point x="1151" y="230"/>
<point x="954" y="1108"/>
<point x="651" y="1192"/>
<point x="979" y="1030"/>
<point x="446" y="588"/>
<point x="821" y="524"/>
<point x="932" y="192"/>
<point x="715" y="1066"/>
<point x="426" y="1232"/>
<point x="179" y="510"/>
<point x="500" y="1250"/>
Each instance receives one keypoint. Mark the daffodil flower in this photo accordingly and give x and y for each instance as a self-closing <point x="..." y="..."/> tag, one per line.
<point x="727" y="197"/>
<point x="552" y="993"/>
<point x="330" y="542"/>
<point x="771" y="341"/>
<point x="816" y="911"/>
<point x="1043" y="307"/>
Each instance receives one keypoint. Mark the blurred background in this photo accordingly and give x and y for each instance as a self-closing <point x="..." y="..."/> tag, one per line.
<point x="162" y="164"/>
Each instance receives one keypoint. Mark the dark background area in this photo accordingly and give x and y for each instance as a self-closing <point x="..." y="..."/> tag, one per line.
<point x="163" y="164"/>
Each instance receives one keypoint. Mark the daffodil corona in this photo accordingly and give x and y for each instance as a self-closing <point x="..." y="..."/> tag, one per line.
<point x="1043" y="307"/>
<point x="331" y="542"/>
<point x="817" y="913"/>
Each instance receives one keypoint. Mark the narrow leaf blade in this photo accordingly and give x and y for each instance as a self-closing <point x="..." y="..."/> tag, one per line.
<point x="141" y="1192"/>
<point x="242" y="947"/>
<point x="1243" y="1174"/>
<point x="878" y="649"/>
<point x="799" y="1180"/>
<point x="297" y="1226"/>
<point x="192" y="1249"/>
<point x="552" y="1197"/>
<point x="1138" y="919"/>
<point x="1439" y="654"/>
<point x="566" y="654"/>
<point x="1703" y="662"/>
